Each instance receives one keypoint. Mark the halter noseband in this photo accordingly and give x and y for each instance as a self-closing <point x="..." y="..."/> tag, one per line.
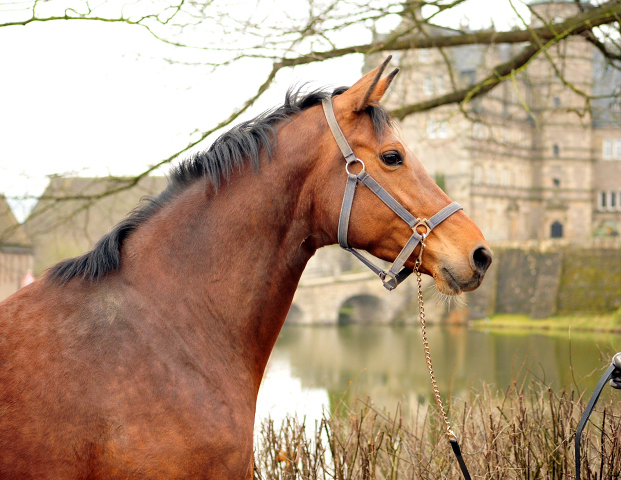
<point x="397" y="272"/>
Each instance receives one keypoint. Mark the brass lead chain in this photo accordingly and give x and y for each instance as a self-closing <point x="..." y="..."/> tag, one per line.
<point x="421" y="312"/>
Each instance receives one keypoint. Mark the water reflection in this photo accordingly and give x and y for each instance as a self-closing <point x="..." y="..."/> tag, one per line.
<point x="327" y="365"/>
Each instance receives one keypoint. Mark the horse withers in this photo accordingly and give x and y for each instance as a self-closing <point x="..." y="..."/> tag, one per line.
<point x="143" y="358"/>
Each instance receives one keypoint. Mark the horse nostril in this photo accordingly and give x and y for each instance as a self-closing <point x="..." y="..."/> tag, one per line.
<point x="481" y="260"/>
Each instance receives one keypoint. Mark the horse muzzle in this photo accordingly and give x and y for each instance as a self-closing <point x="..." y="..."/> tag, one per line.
<point x="453" y="278"/>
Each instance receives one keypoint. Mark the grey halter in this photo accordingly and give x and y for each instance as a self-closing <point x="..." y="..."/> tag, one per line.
<point x="397" y="272"/>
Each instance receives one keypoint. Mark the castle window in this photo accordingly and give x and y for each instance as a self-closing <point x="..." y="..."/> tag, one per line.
<point x="556" y="230"/>
<point x="617" y="151"/>
<point x="613" y="201"/>
<point x="443" y="130"/>
<point x="557" y="102"/>
<point x="607" y="148"/>
<point x="431" y="129"/>
<point x="428" y="85"/>
<point x="437" y="129"/>
<point x="440" y="83"/>
<point x="602" y="200"/>
<point x="491" y="176"/>
<point x="468" y="76"/>
<point x="555" y="150"/>
<point x="478" y="130"/>
<point x="504" y="177"/>
<point x="556" y="182"/>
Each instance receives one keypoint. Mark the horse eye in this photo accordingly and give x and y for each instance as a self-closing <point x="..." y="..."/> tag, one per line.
<point x="392" y="158"/>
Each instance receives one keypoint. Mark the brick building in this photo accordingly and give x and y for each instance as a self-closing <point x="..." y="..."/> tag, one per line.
<point x="532" y="159"/>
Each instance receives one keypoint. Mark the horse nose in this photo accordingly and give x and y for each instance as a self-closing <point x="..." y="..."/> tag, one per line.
<point x="480" y="259"/>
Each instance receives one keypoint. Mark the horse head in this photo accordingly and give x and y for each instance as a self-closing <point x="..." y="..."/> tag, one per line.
<point x="456" y="254"/>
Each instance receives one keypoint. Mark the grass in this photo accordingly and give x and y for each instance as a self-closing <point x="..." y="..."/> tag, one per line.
<point x="595" y="323"/>
<point x="526" y="433"/>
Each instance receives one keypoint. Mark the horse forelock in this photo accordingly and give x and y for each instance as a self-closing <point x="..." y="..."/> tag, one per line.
<point x="241" y="145"/>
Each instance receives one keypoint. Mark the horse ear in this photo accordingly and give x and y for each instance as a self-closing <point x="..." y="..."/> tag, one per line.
<point x="368" y="89"/>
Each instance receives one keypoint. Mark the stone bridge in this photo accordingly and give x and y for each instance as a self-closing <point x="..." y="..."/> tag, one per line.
<point x="336" y="288"/>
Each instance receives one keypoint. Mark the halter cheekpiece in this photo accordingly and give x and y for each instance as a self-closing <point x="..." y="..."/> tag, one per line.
<point x="397" y="272"/>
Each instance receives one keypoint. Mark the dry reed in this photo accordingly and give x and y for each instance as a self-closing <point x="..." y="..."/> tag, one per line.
<point x="527" y="433"/>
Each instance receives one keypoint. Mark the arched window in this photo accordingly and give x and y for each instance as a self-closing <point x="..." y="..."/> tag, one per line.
<point x="556" y="230"/>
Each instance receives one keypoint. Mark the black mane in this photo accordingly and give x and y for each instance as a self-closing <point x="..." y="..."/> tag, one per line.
<point x="232" y="150"/>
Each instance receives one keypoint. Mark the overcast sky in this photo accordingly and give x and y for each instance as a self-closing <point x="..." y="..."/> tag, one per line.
<point x="97" y="99"/>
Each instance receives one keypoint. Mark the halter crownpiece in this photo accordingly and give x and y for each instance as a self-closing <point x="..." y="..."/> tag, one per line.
<point x="397" y="272"/>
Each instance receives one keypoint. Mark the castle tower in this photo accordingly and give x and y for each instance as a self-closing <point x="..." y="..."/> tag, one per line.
<point x="560" y="81"/>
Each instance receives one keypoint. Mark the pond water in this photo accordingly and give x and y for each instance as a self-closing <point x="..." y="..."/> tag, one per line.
<point x="313" y="368"/>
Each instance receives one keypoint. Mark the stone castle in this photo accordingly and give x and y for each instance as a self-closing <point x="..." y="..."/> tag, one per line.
<point x="534" y="158"/>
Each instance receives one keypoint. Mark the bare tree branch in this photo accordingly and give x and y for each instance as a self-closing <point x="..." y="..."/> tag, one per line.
<point x="602" y="15"/>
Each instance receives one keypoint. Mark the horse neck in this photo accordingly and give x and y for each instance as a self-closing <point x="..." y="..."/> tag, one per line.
<point x="229" y="262"/>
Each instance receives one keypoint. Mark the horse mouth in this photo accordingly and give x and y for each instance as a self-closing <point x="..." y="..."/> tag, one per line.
<point x="451" y="284"/>
<point x="448" y="285"/>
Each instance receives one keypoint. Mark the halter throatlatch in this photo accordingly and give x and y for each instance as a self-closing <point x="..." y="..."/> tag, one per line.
<point x="397" y="272"/>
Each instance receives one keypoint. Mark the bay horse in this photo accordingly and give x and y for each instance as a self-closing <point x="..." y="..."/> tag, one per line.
<point x="143" y="357"/>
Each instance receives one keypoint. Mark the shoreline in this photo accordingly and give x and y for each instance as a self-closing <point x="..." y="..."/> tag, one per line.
<point x="603" y="323"/>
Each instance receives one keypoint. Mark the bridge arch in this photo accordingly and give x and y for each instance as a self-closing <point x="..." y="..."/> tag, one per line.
<point x="361" y="309"/>
<point x="295" y="315"/>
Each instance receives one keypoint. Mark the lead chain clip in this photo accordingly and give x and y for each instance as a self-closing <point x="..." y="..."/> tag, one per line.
<point x="421" y="223"/>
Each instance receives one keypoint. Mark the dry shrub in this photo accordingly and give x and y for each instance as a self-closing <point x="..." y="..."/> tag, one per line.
<point x="527" y="433"/>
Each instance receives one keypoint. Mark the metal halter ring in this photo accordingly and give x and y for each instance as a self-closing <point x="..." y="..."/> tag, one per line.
<point x="355" y="161"/>
<point x="422" y="223"/>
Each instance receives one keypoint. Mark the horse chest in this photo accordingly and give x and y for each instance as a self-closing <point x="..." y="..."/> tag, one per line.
<point x="178" y="421"/>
